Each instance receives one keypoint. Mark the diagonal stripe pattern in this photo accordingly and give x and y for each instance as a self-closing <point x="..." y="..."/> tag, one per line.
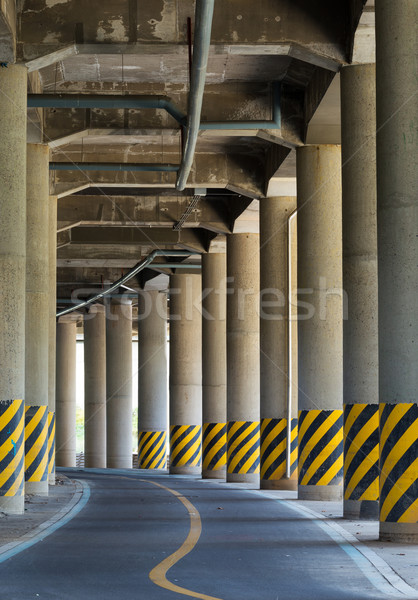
<point x="12" y="467"/>
<point x="185" y="445"/>
<point x="320" y="447"/>
<point x="214" y="446"/>
<point x="243" y="447"/>
<point x="36" y="443"/>
<point x="273" y="448"/>
<point x="399" y="462"/>
<point x="51" y="442"/>
<point x="152" y="450"/>
<point x="361" y="452"/>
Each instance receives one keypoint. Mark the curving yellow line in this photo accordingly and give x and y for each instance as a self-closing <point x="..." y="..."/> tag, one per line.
<point x="158" y="573"/>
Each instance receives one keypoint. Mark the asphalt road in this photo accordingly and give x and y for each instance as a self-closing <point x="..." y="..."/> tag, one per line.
<point x="250" y="548"/>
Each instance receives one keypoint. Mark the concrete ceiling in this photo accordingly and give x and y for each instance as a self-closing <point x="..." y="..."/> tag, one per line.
<point x="108" y="220"/>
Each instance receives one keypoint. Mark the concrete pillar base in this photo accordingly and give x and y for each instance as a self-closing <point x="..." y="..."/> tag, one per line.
<point x="325" y="493"/>
<point x="401" y="533"/>
<point x="361" y="509"/>
<point x="253" y="478"/>
<point x="285" y="483"/>
<point x="12" y="506"/>
<point x="40" y="488"/>
<point x="119" y="462"/>
<point x="218" y="474"/>
<point x="185" y="471"/>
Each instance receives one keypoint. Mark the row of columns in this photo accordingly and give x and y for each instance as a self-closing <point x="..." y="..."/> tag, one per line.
<point x="339" y="415"/>
<point x="352" y="415"/>
<point x="107" y="386"/>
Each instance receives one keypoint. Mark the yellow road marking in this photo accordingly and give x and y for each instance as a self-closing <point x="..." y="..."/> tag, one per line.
<point x="158" y="574"/>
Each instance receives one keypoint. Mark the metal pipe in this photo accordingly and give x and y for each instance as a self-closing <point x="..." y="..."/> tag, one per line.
<point x="203" y="28"/>
<point x="289" y="350"/>
<point x="146" y="102"/>
<point x="98" y="101"/>
<point x="134" y="271"/>
<point x="86" y="166"/>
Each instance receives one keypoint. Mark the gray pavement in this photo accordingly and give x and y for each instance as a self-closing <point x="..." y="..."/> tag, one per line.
<point x="253" y="545"/>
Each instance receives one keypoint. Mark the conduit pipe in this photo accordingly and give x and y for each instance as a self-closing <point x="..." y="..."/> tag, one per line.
<point x="98" y="101"/>
<point x="134" y="271"/>
<point x="203" y="28"/>
<point x="145" y="102"/>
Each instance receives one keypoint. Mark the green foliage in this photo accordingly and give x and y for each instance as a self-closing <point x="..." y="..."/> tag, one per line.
<point x="135" y="430"/>
<point x="79" y="429"/>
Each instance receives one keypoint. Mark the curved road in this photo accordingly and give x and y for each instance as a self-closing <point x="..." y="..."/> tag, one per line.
<point x="250" y="548"/>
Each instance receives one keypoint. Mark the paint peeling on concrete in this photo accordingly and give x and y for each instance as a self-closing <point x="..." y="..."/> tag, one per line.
<point x="51" y="3"/>
<point x="52" y="37"/>
<point x="166" y="27"/>
<point x="112" y="30"/>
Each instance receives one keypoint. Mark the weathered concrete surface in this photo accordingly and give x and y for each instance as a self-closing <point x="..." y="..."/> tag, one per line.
<point x="274" y="315"/>
<point x="8" y="31"/>
<point x="119" y="384"/>
<point x="52" y="322"/>
<point x="95" y="387"/>
<point x="66" y="392"/>
<point x="214" y="345"/>
<point x="152" y="362"/>
<point x="37" y="288"/>
<point x="185" y="357"/>
<point x="397" y="218"/>
<point x="12" y="243"/>
<point x="320" y="313"/>
<point x="320" y="30"/>
<point x="360" y="328"/>
<point x="243" y="340"/>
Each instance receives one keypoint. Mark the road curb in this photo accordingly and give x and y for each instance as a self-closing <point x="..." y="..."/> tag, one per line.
<point x="62" y="517"/>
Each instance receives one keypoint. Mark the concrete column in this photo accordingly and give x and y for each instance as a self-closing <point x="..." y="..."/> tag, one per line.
<point x="95" y="387"/>
<point x="152" y="380"/>
<point x="185" y="374"/>
<point x="12" y="288"/>
<point x="52" y="334"/>
<point x="320" y="323"/>
<point x="37" y="320"/>
<point x="214" y="365"/>
<point x="397" y="226"/>
<point x="66" y="393"/>
<point x="119" y="384"/>
<point x="243" y="358"/>
<point x="360" y="334"/>
<point x="274" y="344"/>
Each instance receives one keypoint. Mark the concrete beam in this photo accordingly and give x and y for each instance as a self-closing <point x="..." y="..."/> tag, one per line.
<point x="319" y="29"/>
<point x="147" y="211"/>
<point x="241" y="173"/>
<point x="112" y="238"/>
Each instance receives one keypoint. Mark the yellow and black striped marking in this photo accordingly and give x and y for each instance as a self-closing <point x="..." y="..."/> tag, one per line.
<point x="185" y="445"/>
<point x="36" y="443"/>
<point x="361" y="452"/>
<point x="12" y="467"/>
<point x="214" y="446"/>
<point x="320" y="447"/>
<point x="273" y="448"/>
<point x="243" y="452"/>
<point x="152" y="451"/>
<point x="399" y="463"/>
<point x="51" y="442"/>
